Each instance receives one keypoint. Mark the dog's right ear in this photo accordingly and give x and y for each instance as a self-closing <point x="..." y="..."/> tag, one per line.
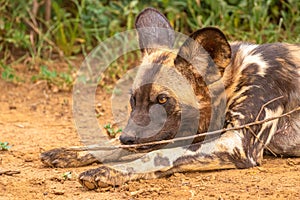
<point x="210" y="40"/>
<point x="154" y="31"/>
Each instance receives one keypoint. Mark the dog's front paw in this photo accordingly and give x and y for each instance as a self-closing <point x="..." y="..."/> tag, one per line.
<point x="102" y="177"/>
<point x="58" y="157"/>
<point x="63" y="158"/>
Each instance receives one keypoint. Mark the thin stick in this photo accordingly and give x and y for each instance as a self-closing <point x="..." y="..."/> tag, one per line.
<point x="252" y="132"/>
<point x="33" y="14"/>
<point x="257" y="117"/>
<point x="96" y="147"/>
<point x="46" y="39"/>
<point x="47" y="10"/>
<point x="9" y="172"/>
<point x="263" y="106"/>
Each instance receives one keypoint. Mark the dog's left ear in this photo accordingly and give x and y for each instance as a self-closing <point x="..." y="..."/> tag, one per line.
<point x="154" y="31"/>
<point x="213" y="41"/>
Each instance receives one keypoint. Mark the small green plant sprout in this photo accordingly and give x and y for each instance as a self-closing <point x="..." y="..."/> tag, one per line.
<point x="4" y="146"/>
<point x="67" y="175"/>
<point x="112" y="131"/>
<point x="8" y="74"/>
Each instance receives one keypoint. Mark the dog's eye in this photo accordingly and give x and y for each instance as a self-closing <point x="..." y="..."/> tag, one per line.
<point x="162" y="99"/>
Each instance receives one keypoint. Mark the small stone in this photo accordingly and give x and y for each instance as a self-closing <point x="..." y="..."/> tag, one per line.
<point x="55" y="89"/>
<point x="12" y="107"/>
<point x="58" y="192"/>
<point x="99" y="105"/>
<point x="28" y="159"/>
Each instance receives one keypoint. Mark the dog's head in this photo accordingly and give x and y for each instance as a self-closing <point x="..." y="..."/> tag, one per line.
<point x="171" y="95"/>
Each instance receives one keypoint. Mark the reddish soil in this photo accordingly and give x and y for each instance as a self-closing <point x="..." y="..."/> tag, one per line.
<point x="35" y="118"/>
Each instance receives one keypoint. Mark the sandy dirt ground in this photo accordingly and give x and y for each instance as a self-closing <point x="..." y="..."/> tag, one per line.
<point x="35" y="118"/>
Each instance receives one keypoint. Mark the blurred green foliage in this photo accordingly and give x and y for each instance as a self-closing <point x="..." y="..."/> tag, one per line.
<point x="4" y="146"/>
<point x="60" y="79"/>
<point x="75" y="27"/>
<point x="8" y="74"/>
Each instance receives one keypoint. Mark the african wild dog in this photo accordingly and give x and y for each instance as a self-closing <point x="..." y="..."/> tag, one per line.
<point x="237" y="81"/>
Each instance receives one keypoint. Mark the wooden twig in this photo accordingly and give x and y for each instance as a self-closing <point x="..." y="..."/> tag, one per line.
<point x="257" y="118"/>
<point x="34" y="11"/>
<point x="46" y="39"/>
<point x="33" y="15"/>
<point x="97" y="147"/>
<point x="47" y="10"/>
<point x="9" y="172"/>
<point x="263" y="106"/>
<point x="252" y="132"/>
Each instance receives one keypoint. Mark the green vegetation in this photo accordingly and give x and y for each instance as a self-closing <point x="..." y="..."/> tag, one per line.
<point x="38" y="30"/>
<point x="8" y="73"/>
<point x="4" y="146"/>
<point x="60" y="79"/>
<point x="67" y="176"/>
<point x="112" y="131"/>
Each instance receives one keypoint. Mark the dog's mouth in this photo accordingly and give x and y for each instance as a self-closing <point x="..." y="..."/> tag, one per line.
<point x="145" y="148"/>
<point x="147" y="145"/>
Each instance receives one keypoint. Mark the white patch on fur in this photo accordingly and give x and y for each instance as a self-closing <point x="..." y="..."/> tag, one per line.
<point x="226" y="143"/>
<point x="237" y="114"/>
<point x="246" y="49"/>
<point x="250" y="58"/>
<point x="268" y="114"/>
<point x="141" y="166"/>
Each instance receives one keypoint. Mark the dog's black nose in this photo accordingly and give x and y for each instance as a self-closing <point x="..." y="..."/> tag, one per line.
<point x="127" y="139"/>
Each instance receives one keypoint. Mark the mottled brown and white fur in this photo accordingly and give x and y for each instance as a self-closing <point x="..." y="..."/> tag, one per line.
<point x="229" y="84"/>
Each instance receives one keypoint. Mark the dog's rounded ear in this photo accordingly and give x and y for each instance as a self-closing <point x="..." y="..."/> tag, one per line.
<point x="154" y="31"/>
<point x="213" y="41"/>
